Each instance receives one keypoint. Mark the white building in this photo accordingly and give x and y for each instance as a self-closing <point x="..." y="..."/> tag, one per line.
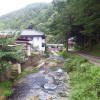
<point x="37" y="39"/>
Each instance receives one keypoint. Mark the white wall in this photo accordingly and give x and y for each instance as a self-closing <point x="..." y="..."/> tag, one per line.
<point x="37" y="42"/>
<point x="43" y="48"/>
<point x="29" y="50"/>
<point x="43" y="40"/>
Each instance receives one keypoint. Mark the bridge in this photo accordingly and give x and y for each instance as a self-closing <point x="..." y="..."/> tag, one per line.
<point x="54" y="45"/>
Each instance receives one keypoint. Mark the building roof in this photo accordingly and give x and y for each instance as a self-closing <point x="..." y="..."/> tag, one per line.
<point x="31" y="32"/>
<point x="6" y="32"/>
<point x="71" y="42"/>
<point x="24" y="32"/>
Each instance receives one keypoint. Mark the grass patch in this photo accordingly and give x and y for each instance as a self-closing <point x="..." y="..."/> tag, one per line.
<point x="45" y="55"/>
<point x="34" y="53"/>
<point x="59" y="53"/>
<point x="5" y="89"/>
<point x="85" y="78"/>
<point x="63" y="53"/>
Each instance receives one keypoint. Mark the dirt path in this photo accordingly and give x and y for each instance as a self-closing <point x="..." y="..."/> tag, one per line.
<point x="92" y="59"/>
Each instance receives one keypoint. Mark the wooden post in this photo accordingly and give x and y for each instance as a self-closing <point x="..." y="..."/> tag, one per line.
<point x="19" y="68"/>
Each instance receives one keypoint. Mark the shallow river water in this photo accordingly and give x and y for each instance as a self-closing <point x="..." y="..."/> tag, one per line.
<point x="47" y="83"/>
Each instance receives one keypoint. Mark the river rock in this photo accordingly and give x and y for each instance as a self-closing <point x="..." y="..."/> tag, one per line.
<point x="46" y="71"/>
<point x="49" y="98"/>
<point x="50" y="86"/>
<point x="36" y="87"/>
<point x="59" y="70"/>
<point x="51" y="64"/>
<point x="50" y="80"/>
<point x="63" y="93"/>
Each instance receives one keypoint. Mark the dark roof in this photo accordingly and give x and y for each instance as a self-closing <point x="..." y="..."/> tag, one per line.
<point x="23" y="39"/>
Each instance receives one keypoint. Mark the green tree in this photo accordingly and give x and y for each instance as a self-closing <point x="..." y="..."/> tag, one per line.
<point x="63" y="20"/>
<point x="9" y="53"/>
<point x="87" y="14"/>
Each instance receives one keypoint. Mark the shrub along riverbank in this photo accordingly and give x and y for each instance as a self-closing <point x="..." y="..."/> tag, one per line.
<point x="85" y="78"/>
<point x="5" y="89"/>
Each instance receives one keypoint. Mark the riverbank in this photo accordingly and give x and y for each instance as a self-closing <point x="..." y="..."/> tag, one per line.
<point x="6" y="86"/>
<point x="85" y="78"/>
<point x="50" y="83"/>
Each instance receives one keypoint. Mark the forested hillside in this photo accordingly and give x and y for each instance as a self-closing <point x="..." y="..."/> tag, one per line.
<point x="33" y="16"/>
<point x="62" y="18"/>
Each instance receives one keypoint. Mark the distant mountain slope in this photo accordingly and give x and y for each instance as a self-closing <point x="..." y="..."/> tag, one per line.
<point x="33" y="16"/>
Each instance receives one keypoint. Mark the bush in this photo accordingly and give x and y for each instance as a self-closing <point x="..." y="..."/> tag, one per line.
<point x="64" y="53"/>
<point x="81" y="60"/>
<point x="76" y="47"/>
<point x="6" y="85"/>
<point x="7" y="93"/>
<point x="85" y="78"/>
<point x="46" y="55"/>
<point x="69" y="65"/>
<point x="59" y="53"/>
<point x="5" y="88"/>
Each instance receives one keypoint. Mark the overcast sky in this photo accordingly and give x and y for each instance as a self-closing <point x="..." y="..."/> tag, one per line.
<point x="7" y="6"/>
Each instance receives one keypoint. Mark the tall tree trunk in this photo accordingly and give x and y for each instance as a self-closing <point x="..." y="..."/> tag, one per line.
<point x="98" y="38"/>
<point x="67" y="42"/>
<point x="84" y="41"/>
<point x="90" y="43"/>
<point x="67" y="45"/>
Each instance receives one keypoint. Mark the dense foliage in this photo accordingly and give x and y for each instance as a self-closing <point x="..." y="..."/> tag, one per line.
<point x="85" y="78"/>
<point x="79" y="19"/>
<point x="5" y="88"/>
<point x="62" y="18"/>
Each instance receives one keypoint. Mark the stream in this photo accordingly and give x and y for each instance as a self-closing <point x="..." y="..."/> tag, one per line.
<point x="47" y="84"/>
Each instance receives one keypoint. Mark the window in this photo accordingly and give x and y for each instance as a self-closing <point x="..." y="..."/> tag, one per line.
<point x="43" y="45"/>
<point x="29" y="37"/>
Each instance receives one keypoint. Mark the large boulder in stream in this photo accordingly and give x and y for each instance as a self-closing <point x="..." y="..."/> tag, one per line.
<point x="52" y="64"/>
<point x="50" y="86"/>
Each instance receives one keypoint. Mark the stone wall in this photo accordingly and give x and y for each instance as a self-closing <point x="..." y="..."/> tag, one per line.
<point x="32" y="60"/>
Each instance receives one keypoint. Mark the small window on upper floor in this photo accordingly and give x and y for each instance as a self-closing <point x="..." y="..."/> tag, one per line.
<point x="43" y="45"/>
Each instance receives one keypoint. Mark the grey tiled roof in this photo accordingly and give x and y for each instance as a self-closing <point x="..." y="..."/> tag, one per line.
<point x="31" y="32"/>
<point x="24" y="32"/>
